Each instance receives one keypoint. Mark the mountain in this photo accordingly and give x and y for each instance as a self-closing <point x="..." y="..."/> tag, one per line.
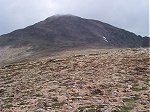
<point x="66" y="32"/>
<point x="145" y="41"/>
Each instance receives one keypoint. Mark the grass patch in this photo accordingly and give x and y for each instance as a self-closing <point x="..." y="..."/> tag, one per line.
<point x="38" y="95"/>
<point x="2" y="91"/>
<point x="129" y="104"/>
<point x="9" y="100"/>
<point x="127" y="108"/>
<point x="57" y="104"/>
<point x="136" y="97"/>
<point x="147" y="80"/>
<point x="136" y="87"/>
<point x="91" y="108"/>
<point x="8" y="106"/>
<point x="81" y="109"/>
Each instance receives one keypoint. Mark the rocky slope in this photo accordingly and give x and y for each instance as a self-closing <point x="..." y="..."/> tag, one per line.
<point x="66" y="32"/>
<point x="110" y="80"/>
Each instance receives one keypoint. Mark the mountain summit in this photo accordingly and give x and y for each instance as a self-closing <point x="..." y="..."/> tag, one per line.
<point x="66" y="32"/>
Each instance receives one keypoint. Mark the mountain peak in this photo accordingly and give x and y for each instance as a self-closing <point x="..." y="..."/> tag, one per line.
<point x="62" y="16"/>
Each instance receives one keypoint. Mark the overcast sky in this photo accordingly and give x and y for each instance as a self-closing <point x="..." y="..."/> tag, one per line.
<point x="132" y="15"/>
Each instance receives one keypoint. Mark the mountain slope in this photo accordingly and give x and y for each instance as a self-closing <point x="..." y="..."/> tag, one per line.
<point x="58" y="33"/>
<point x="112" y="80"/>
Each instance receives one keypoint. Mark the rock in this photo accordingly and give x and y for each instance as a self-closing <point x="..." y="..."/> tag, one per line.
<point x="97" y="91"/>
<point x="2" y="90"/>
<point x="54" y="99"/>
<point x="144" y="102"/>
<point x="61" y="99"/>
<point x="41" y="110"/>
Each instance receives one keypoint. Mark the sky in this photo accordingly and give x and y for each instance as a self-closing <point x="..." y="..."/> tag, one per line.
<point x="132" y="15"/>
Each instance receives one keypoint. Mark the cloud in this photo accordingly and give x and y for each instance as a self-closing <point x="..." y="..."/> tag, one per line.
<point x="132" y="15"/>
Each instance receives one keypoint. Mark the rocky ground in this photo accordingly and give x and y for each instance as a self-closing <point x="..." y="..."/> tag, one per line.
<point x="8" y="54"/>
<point x="101" y="81"/>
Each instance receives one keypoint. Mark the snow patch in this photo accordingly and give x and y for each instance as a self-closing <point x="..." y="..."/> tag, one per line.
<point x="105" y="39"/>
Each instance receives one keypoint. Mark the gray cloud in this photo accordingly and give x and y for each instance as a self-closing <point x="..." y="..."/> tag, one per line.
<point x="132" y="15"/>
